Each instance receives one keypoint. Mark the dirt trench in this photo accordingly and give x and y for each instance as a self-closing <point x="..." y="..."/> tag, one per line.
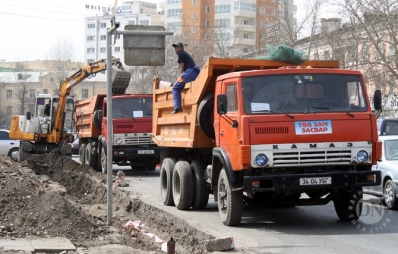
<point x="48" y="196"/>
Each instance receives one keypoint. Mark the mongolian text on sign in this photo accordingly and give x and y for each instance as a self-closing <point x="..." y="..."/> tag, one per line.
<point x="313" y="127"/>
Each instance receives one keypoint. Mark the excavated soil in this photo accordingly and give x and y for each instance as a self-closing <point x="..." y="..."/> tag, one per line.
<point x="52" y="196"/>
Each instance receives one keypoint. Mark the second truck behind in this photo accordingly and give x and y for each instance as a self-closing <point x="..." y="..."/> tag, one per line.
<point x="132" y="131"/>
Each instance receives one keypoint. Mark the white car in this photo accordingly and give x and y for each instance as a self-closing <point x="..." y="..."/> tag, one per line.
<point x="388" y="166"/>
<point x="8" y="147"/>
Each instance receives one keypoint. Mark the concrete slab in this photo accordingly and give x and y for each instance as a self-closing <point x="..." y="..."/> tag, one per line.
<point x="17" y="244"/>
<point x="52" y="245"/>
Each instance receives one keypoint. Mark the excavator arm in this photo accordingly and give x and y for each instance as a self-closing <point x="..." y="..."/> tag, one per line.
<point x="120" y="82"/>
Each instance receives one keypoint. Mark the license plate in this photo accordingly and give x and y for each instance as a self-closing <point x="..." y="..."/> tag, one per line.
<point x="316" y="181"/>
<point x="146" y="151"/>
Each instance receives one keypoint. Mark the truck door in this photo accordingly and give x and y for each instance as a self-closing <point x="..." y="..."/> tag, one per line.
<point x="228" y="135"/>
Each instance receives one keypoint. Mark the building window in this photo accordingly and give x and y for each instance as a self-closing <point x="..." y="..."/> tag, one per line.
<point x="45" y="91"/>
<point x="174" y="13"/>
<point x="326" y="55"/>
<point x="261" y="24"/>
<point x="246" y="22"/>
<point x="223" y="8"/>
<point x="245" y="50"/>
<point x="9" y="111"/>
<point x="9" y="94"/>
<point x="131" y="22"/>
<point x="90" y="38"/>
<point x="246" y="36"/>
<point x="117" y="36"/>
<point x="89" y="26"/>
<point x="193" y="15"/>
<point x="116" y="49"/>
<point x="207" y="9"/>
<point x="174" y="25"/>
<point x="32" y="93"/>
<point x="364" y="52"/>
<point x="90" y="50"/>
<point x="272" y="12"/>
<point x="89" y="61"/>
<point x="84" y="93"/>
<point x="245" y="6"/>
<point x="207" y="23"/>
<point x="262" y="10"/>
<point x="173" y="1"/>
<point x="193" y="2"/>
<point x="144" y="22"/>
<point x="222" y="22"/>
<point x="103" y="37"/>
<point x="193" y="29"/>
<point x="102" y="25"/>
<point x="102" y="50"/>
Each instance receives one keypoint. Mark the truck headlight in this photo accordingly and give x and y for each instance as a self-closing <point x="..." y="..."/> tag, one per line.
<point x="362" y="156"/>
<point x="119" y="141"/>
<point x="261" y="159"/>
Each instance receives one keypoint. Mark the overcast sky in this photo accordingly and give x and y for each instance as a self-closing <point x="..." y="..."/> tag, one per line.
<point x="29" y="28"/>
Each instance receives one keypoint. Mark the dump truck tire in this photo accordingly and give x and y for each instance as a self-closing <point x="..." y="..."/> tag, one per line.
<point x="230" y="203"/>
<point x="90" y="157"/>
<point x="348" y="203"/>
<point x="201" y="190"/>
<point x="82" y="154"/>
<point x="166" y="178"/>
<point x="182" y="185"/>
<point x="205" y="115"/>
<point x="97" y="119"/>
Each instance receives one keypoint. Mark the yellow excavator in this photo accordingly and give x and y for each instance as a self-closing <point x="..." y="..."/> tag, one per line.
<point x="42" y="131"/>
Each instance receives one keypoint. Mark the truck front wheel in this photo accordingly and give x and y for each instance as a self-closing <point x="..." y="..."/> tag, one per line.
<point x="166" y="177"/>
<point x="182" y="185"/>
<point x="230" y="203"/>
<point x="348" y="203"/>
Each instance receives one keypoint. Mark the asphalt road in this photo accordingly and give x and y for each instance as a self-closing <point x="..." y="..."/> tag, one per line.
<point x="310" y="229"/>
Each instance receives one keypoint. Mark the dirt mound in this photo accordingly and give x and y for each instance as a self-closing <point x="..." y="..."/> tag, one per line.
<point x="34" y="205"/>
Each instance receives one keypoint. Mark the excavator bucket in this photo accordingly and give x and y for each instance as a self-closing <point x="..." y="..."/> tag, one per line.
<point x="120" y="80"/>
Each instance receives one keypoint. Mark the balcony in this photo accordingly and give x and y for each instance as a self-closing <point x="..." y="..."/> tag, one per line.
<point x="242" y="13"/>
<point x="248" y="42"/>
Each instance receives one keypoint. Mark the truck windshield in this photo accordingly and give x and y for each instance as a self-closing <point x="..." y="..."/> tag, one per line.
<point x="132" y="108"/>
<point x="303" y="93"/>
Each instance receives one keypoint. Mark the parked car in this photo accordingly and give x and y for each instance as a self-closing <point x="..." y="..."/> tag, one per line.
<point x="75" y="145"/>
<point x="8" y="147"/>
<point x="387" y="126"/>
<point x="388" y="166"/>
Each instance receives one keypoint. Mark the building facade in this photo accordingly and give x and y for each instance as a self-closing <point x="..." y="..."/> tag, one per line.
<point x="129" y="13"/>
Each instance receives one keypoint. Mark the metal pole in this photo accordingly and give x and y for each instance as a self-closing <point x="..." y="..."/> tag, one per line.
<point x="109" y="132"/>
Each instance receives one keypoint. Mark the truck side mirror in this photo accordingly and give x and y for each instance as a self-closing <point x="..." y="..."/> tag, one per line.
<point x="377" y="100"/>
<point x="222" y="103"/>
<point x="28" y="115"/>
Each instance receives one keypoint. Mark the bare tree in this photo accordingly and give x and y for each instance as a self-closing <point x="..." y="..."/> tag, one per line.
<point x="376" y="24"/>
<point x="61" y="54"/>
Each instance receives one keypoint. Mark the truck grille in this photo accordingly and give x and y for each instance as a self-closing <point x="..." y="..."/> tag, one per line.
<point x="311" y="157"/>
<point x="139" y="140"/>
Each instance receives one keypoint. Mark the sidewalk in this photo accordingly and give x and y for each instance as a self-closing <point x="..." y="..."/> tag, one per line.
<point x="47" y="245"/>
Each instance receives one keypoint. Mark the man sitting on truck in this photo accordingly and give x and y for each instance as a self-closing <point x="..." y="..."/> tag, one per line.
<point x="189" y="72"/>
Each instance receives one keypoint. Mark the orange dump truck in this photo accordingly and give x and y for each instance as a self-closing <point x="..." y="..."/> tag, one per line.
<point x="132" y="131"/>
<point x="259" y="131"/>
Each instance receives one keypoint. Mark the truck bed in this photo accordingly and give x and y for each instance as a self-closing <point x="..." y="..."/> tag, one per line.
<point x="84" y="116"/>
<point x="182" y="129"/>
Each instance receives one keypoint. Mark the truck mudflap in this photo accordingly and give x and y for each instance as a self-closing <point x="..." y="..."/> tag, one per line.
<point x="130" y="152"/>
<point x="311" y="181"/>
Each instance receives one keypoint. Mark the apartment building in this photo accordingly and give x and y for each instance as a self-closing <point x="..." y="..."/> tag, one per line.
<point x="226" y="28"/>
<point x="129" y="13"/>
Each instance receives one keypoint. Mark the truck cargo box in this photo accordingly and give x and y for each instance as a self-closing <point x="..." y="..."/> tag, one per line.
<point x="183" y="130"/>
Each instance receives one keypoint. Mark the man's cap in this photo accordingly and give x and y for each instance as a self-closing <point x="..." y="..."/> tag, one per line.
<point x="180" y="44"/>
